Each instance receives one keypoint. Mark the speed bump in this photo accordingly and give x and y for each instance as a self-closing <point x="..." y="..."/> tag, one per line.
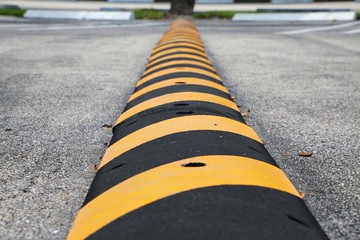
<point x="183" y="164"/>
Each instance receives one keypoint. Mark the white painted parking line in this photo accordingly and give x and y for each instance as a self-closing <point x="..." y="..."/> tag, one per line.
<point x="21" y="27"/>
<point x="320" y="29"/>
<point x="146" y="24"/>
<point x="352" y="31"/>
<point x="16" y="26"/>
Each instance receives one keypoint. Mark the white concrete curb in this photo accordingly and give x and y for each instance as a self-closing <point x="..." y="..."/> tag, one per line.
<point x="131" y="1"/>
<point x="80" y="15"/>
<point x="296" y="17"/>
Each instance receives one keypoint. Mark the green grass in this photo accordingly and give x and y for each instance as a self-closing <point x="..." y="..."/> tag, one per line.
<point x="13" y="12"/>
<point x="149" y="14"/>
<point x="218" y="14"/>
<point x="157" y="14"/>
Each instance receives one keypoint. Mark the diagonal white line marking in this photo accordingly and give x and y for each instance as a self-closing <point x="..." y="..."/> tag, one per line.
<point x="319" y="29"/>
<point x="148" y="24"/>
<point x="352" y="31"/>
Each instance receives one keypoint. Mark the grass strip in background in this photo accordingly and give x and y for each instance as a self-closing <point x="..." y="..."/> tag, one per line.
<point x="158" y="14"/>
<point x="218" y="14"/>
<point x="150" y="14"/>
<point x="12" y="12"/>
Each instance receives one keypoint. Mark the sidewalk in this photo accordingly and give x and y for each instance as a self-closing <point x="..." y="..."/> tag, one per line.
<point x="93" y="5"/>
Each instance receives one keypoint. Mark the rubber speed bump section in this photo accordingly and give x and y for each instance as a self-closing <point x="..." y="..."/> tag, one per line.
<point x="175" y="125"/>
<point x="176" y="177"/>
<point x="175" y="82"/>
<point x="183" y="164"/>
<point x="173" y="98"/>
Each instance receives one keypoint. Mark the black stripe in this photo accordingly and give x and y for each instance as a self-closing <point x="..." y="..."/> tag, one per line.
<point x="220" y="212"/>
<point x="180" y="46"/>
<point x="177" y="59"/>
<point x="178" y="52"/>
<point x="179" y="65"/>
<point x="180" y="41"/>
<point x="174" y="48"/>
<point x="172" y="148"/>
<point x="176" y="89"/>
<point x="176" y="75"/>
<point x="168" y="111"/>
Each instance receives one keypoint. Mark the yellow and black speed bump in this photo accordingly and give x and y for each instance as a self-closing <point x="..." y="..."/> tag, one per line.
<point x="183" y="164"/>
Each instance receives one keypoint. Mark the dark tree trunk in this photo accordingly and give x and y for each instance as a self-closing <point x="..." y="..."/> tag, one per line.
<point x="182" y="7"/>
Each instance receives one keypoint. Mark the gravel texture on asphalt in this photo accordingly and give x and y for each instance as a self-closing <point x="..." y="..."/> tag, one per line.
<point x="59" y="87"/>
<point x="303" y="93"/>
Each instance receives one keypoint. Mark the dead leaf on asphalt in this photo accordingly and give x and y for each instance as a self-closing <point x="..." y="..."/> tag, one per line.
<point x="95" y="168"/>
<point x="244" y="114"/>
<point x="286" y="154"/>
<point x="107" y="126"/>
<point x="305" y="154"/>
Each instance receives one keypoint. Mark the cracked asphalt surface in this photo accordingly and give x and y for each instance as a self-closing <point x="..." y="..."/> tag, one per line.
<point x="60" y="86"/>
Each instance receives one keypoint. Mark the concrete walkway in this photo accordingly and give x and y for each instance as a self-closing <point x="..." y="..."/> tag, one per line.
<point x="93" y="5"/>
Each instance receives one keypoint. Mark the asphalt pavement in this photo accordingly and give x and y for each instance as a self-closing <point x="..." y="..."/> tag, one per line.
<point x="61" y="82"/>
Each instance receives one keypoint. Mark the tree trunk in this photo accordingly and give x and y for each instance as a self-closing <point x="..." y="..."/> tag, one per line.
<point x="182" y="7"/>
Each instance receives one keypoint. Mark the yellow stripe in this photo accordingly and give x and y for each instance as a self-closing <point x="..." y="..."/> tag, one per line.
<point x="188" y="28"/>
<point x="182" y="40"/>
<point x="182" y="30"/>
<point x="184" y="33"/>
<point x="179" y="56"/>
<point x="173" y="36"/>
<point x="187" y="50"/>
<point x="179" y="39"/>
<point x="178" y="44"/>
<point x="177" y="70"/>
<point x="176" y="125"/>
<point x="176" y="97"/>
<point x="185" y="25"/>
<point x="182" y="23"/>
<point x="177" y="81"/>
<point x="178" y="35"/>
<point x="172" y="178"/>
<point x="179" y="62"/>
